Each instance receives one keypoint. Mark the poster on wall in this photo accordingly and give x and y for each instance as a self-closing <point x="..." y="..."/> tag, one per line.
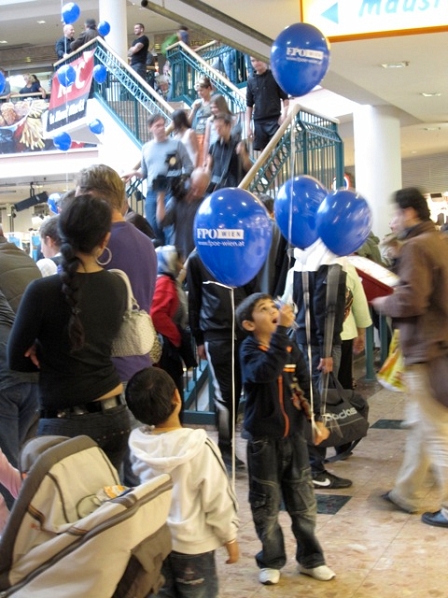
<point x="21" y="126"/>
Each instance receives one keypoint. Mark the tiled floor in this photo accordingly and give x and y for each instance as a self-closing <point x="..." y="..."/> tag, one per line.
<point x="376" y="552"/>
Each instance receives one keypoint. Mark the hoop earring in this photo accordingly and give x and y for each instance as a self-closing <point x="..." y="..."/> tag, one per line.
<point x="108" y="259"/>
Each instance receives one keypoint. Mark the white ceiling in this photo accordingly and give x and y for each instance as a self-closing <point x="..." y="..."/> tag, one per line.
<point x="355" y="66"/>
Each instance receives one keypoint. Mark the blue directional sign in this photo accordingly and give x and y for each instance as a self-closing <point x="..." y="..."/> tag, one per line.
<point x="346" y="18"/>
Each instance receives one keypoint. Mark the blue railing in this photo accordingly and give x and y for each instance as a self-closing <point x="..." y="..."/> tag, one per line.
<point x="227" y="60"/>
<point x="187" y="67"/>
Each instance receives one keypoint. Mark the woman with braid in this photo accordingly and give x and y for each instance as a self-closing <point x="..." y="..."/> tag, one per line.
<point x="64" y="328"/>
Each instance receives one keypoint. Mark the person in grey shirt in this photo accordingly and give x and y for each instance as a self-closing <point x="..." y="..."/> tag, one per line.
<point x="163" y="160"/>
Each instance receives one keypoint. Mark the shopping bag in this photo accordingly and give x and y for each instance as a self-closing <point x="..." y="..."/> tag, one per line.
<point x="391" y="373"/>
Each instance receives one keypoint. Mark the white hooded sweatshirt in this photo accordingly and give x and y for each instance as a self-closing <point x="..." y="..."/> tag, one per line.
<point x="203" y="513"/>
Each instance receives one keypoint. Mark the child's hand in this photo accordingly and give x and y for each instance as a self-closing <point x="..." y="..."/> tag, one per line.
<point x="233" y="551"/>
<point x="285" y="316"/>
<point x="320" y="433"/>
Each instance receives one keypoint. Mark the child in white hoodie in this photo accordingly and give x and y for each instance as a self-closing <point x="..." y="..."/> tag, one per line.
<point x="203" y="514"/>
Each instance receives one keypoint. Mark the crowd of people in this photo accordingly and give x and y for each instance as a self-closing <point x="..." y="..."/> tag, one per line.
<point x="58" y="320"/>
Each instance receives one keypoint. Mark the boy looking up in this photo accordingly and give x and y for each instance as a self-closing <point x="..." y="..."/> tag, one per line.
<point x="276" y="383"/>
<point x="203" y="510"/>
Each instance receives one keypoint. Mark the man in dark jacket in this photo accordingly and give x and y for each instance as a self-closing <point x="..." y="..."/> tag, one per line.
<point x="319" y="270"/>
<point x="63" y="44"/>
<point x="89" y="33"/>
<point x="266" y="102"/>
<point x="212" y="324"/>
<point x="420" y="310"/>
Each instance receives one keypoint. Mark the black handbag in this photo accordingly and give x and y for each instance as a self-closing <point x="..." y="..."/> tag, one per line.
<point x="346" y="415"/>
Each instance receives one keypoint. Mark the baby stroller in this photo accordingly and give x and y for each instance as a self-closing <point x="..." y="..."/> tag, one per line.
<point x="64" y="540"/>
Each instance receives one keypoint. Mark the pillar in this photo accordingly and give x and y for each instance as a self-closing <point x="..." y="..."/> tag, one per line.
<point x="377" y="160"/>
<point x="114" y="12"/>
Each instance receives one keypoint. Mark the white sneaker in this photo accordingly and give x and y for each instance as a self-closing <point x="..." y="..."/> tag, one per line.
<point x="269" y="577"/>
<point x="322" y="573"/>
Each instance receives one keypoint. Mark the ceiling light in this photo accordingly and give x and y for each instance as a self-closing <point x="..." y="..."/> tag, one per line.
<point x="41" y="22"/>
<point x="434" y="94"/>
<point x="432" y="128"/>
<point x="395" y="65"/>
<point x="3" y="41"/>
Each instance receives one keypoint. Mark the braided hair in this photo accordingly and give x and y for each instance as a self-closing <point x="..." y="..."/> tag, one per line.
<point x="83" y="224"/>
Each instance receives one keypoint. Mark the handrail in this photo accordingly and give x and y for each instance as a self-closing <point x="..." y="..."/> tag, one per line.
<point x="98" y="40"/>
<point x="270" y="148"/>
<point x="306" y="143"/>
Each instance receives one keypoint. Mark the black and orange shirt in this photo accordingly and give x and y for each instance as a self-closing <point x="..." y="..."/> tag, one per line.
<point x="269" y="374"/>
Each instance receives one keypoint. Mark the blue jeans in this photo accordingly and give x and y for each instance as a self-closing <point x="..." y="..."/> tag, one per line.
<point x="164" y="236"/>
<point x="189" y="576"/>
<point x="19" y="405"/>
<point x="279" y="469"/>
<point x="230" y="67"/>
<point x="110" y="429"/>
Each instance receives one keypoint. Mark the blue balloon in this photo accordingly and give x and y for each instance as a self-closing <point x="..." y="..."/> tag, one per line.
<point x="66" y="75"/>
<point x="62" y="141"/>
<point x="300" y="57"/>
<point x="295" y="210"/>
<point x="70" y="13"/>
<point x="232" y="232"/>
<point x="96" y="126"/>
<point x="2" y="82"/>
<point x="52" y="202"/>
<point x="344" y="221"/>
<point x="103" y="28"/>
<point x="100" y="73"/>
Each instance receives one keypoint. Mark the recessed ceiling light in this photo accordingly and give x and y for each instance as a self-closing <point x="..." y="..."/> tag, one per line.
<point x="395" y="65"/>
<point x="432" y="128"/>
<point x="3" y="41"/>
<point x="434" y="94"/>
<point x="41" y="22"/>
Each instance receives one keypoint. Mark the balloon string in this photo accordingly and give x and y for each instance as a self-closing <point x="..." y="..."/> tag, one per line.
<point x="232" y="303"/>
<point x="291" y="187"/>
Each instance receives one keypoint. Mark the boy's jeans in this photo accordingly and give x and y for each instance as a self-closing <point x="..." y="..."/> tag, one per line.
<point x="279" y="468"/>
<point x="189" y="576"/>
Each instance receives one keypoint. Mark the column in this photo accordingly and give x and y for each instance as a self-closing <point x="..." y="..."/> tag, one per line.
<point x="377" y="160"/>
<point x="114" y="12"/>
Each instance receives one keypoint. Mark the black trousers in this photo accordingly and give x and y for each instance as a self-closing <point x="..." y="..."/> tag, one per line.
<point x="225" y="380"/>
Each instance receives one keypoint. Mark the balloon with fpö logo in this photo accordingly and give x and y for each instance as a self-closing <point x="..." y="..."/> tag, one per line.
<point x="295" y="209"/>
<point x="300" y="56"/>
<point x="232" y="232"/>
<point x="344" y="221"/>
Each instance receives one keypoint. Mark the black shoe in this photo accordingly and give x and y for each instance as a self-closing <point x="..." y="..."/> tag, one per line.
<point x="437" y="519"/>
<point x="387" y="496"/>
<point x="325" y="480"/>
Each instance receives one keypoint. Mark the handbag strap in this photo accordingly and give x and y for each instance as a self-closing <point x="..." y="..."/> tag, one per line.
<point x="131" y="300"/>
<point x="333" y="275"/>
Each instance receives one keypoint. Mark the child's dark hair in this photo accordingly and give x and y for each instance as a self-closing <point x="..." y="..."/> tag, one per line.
<point x="83" y="224"/>
<point x="245" y="309"/>
<point x="50" y="228"/>
<point x="149" y="396"/>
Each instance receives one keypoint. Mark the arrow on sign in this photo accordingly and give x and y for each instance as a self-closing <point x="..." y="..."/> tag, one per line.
<point x="332" y="14"/>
